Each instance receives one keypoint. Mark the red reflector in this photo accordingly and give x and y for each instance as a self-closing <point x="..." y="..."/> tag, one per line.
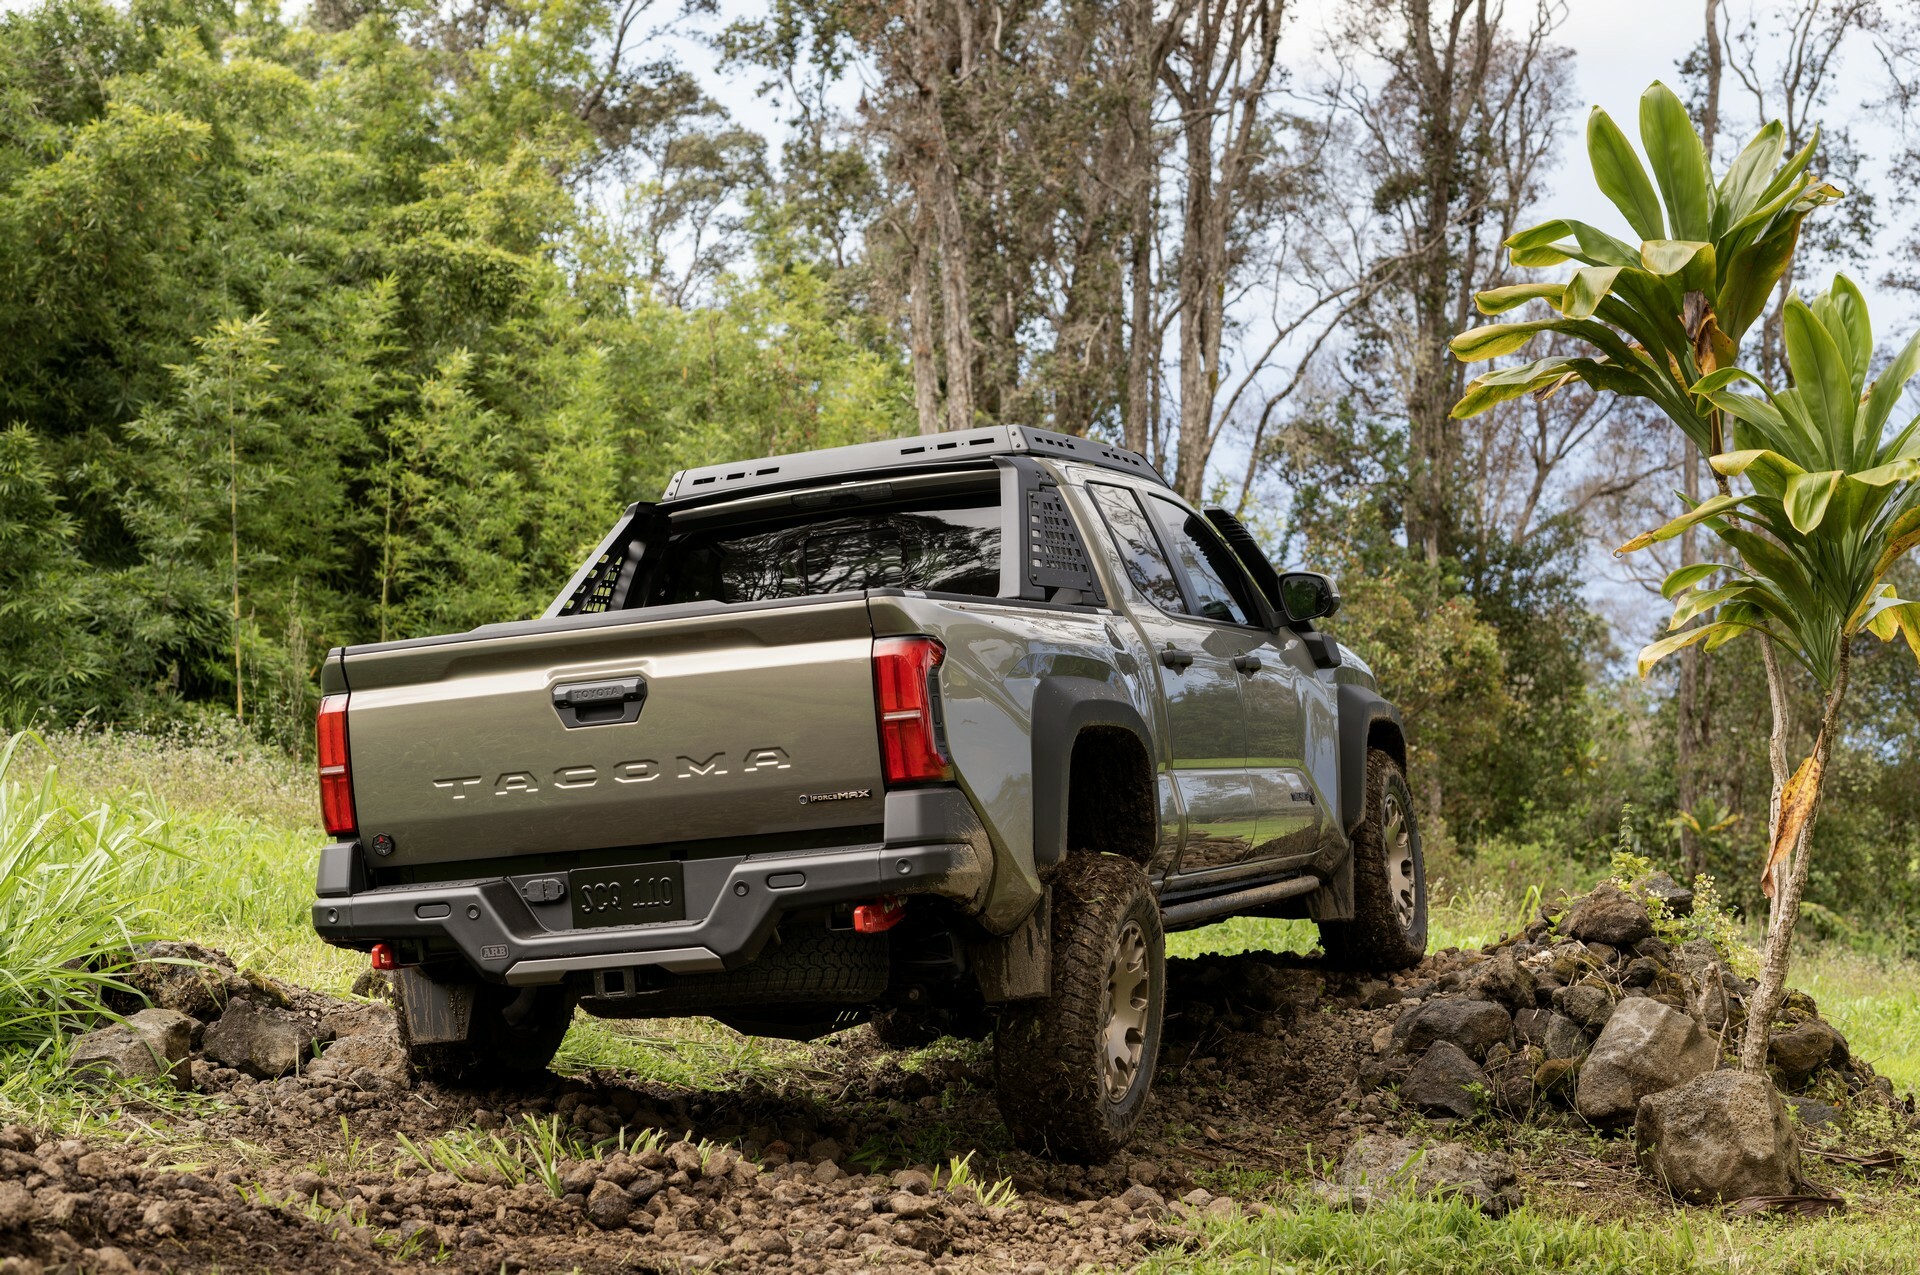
<point x="880" y="915"/>
<point x="336" y="779"/>
<point x="903" y="691"/>
<point x="383" y="957"/>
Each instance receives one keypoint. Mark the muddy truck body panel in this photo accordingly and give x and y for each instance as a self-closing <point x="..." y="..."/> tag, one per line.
<point x="814" y="736"/>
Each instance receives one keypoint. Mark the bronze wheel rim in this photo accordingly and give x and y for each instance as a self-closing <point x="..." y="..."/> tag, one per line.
<point x="1396" y="836"/>
<point x="1123" y="1012"/>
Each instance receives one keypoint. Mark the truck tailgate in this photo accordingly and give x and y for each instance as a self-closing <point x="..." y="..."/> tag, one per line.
<point x="745" y="715"/>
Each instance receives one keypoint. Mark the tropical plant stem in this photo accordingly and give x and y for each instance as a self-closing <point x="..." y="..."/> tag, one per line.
<point x="1790" y="875"/>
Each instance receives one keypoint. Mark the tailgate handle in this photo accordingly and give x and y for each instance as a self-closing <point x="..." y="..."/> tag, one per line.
<point x="609" y="703"/>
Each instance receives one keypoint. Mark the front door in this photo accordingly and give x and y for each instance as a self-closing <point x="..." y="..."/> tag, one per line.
<point x="1200" y="684"/>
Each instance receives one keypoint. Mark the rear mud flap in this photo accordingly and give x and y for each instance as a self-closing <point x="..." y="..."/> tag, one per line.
<point x="436" y="1013"/>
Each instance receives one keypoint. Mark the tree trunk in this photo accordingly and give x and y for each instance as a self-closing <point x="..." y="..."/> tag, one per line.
<point x="1790" y="879"/>
<point x="1687" y="705"/>
<point x="926" y="372"/>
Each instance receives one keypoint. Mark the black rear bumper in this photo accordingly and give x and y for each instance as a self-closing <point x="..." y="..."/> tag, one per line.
<point x="934" y="844"/>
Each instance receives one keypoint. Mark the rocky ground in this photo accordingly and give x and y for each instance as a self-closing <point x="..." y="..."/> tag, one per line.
<point x="307" y="1144"/>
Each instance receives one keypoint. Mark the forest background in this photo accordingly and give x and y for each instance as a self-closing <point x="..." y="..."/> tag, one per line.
<point x="362" y="320"/>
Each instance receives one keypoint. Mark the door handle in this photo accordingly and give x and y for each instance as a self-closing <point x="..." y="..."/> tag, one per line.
<point x="1175" y="658"/>
<point x="1247" y="663"/>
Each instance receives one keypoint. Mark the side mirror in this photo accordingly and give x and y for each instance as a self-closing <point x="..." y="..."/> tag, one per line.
<point x="1306" y="596"/>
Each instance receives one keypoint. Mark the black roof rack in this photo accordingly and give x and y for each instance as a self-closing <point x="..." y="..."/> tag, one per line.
<point x="903" y="453"/>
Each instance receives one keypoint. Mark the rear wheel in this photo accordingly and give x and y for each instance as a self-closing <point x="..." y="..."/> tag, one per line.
<point x="1389" y="926"/>
<point x="512" y="1032"/>
<point x="1071" y="1072"/>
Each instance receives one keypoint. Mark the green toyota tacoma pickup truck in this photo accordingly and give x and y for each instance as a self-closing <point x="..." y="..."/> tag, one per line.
<point x="944" y="733"/>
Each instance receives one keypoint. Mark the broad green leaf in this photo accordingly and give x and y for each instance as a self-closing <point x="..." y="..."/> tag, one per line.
<point x="1589" y="286"/>
<point x="1765" y="417"/>
<point x="1748" y="175"/>
<point x="1900" y="471"/>
<point x="1670" y="257"/>
<point x="1903" y="536"/>
<point x="1545" y="245"/>
<point x="1699" y="513"/>
<point x="1534" y="246"/>
<point x="1621" y="177"/>
<point x="1501" y="300"/>
<point x="1888" y="388"/>
<point x="1654" y="652"/>
<point x="1688" y="576"/>
<point x="1767" y="470"/>
<point x="1476" y="345"/>
<point x="1678" y="160"/>
<point x="1821" y="377"/>
<point x="1846" y="311"/>
<point x="1490" y="388"/>
<point x="1807" y="497"/>
<point x="1736" y="618"/>
<point x="1700" y="600"/>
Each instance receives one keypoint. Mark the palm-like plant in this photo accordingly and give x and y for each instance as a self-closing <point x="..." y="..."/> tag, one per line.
<point x="1662" y="314"/>
<point x="1833" y="503"/>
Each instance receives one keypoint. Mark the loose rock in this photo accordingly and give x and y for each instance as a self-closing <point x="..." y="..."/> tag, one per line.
<point x="1445" y="1081"/>
<point x="263" y="1043"/>
<point x="1377" y="1167"/>
<point x="1645" y="1048"/>
<point x="1608" y="915"/>
<point x="1722" y="1136"/>
<point x="153" y="1042"/>
<point x="1472" y="1025"/>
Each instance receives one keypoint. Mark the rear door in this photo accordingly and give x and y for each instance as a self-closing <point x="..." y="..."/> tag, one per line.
<point x="1205" y="722"/>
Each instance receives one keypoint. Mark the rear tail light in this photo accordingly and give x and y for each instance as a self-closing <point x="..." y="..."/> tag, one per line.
<point x="336" y="780"/>
<point x="903" y="688"/>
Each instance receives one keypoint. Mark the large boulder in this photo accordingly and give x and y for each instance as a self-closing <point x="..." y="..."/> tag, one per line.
<point x="262" y="1042"/>
<point x="153" y="1042"/>
<point x="1608" y="915"/>
<point x="1445" y="1082"/>
<point x="1473" y="1025"/>
<point x="1721" y="1136"/>
<point x="1377" y="1168"/>
<point x="1645" y="1048"/>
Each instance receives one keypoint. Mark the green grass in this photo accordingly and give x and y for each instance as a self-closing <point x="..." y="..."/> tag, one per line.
<point x="1451" y="1237"/>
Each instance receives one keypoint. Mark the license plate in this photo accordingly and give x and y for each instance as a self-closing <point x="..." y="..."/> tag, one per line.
<point x="637" y="894"/>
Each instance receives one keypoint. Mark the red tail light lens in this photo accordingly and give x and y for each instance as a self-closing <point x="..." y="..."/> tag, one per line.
<point x="336" y="780"/>
<point x="903" y="688"/>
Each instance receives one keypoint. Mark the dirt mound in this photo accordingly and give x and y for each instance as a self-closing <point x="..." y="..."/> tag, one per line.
<point x="1273" y="1065"/>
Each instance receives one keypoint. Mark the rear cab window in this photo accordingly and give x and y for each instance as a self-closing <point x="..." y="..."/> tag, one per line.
<point x="939" y="546"/>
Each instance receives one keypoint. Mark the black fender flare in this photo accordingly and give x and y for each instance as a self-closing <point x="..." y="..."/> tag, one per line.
<point x="1364" y="717"/>
<point x="1063" y="707"/>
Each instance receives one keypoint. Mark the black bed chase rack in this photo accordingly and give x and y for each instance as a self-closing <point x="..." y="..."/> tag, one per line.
<point x="903" y="453"/>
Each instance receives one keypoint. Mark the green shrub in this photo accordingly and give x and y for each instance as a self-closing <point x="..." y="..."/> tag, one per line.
<point x="73" y="883"/>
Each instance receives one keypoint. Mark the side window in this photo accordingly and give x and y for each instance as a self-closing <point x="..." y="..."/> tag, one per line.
<point x="1219" y="582"/>
<point x="1139" y="550"/>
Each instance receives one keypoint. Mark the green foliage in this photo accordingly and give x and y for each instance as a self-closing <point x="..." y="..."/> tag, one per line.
<point x="75" y="891"/>
<point x="1834" y="503"/>
<point x="1660" y="316"/>
<point x="341" y="304"/>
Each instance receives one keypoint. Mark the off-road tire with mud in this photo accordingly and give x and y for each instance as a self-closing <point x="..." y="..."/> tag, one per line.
<point x="1058" y="1089"/>
<point x="513" y="1032"/>
<point x="1389" y="926"/>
